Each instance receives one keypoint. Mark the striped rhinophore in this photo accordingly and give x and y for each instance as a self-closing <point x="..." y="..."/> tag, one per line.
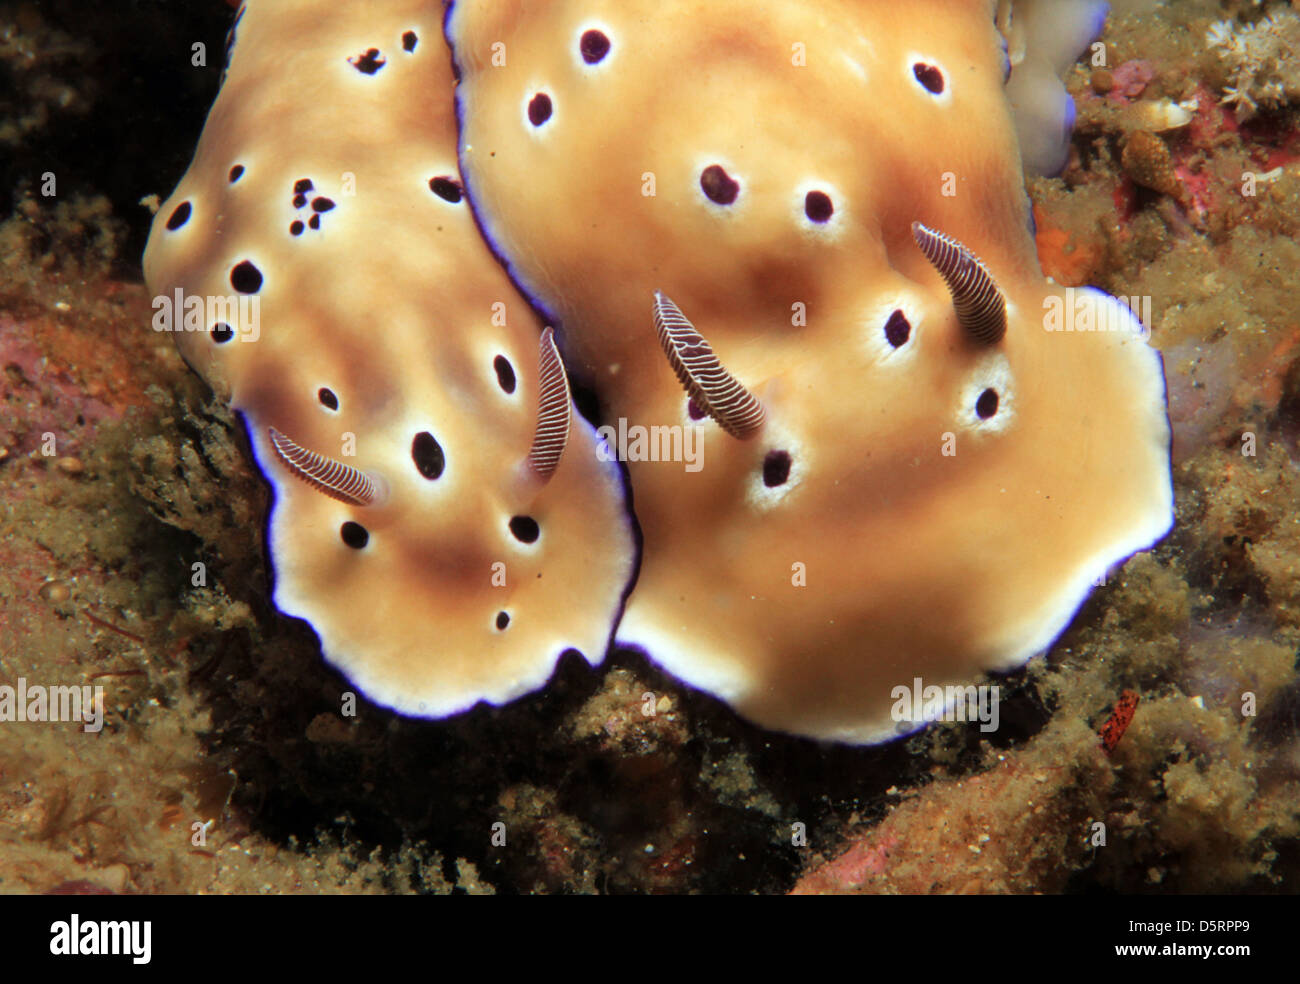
<point x="981" y="308"/>
<point x="715" y="390"/>
<point x="553" y="404"/>
<point x="335" y="479"/>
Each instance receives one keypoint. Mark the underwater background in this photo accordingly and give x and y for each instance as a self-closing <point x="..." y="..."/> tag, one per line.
<point x="224" y="766"/>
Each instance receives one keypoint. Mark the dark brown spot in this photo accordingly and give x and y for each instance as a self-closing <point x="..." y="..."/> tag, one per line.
<point x="694" y="410"/>
<point x="928" y="76"/>
<point x="296" y="228"/>
<point x="369" y="63"/>
<point x="448" y="189"/>
<point x="409" y="41"/>
<point x="302" y="186"/>
<point x="322" y="204"/>
<point x="327" y="398"/>
<point x="718" y="185"/>
<point x="236" y="173"/>
<point x="222" y="333"/>
<point x="505" y="373"/>
<point x="427" y="454"/>
<point x="539" y="109"/>
<point x="776" y="468"/>
<point x="502" y="620"/>
<point x="354" y="535"/>
<point x="897" y="329"/>
<point x="525" y="529"/>
<point x="314" y="222"/>
<point x="987" y="404"/>
<point x="817" y="206"/>
<point x="246" y="278"/>
<point x="594" y="46"/>
<point x="180" y="215"/>
<point x="299" y="201"/>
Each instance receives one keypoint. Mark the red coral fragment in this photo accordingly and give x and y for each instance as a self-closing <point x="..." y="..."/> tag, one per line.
<point x="79" y="886"/>
<point x="1113" y="730"/>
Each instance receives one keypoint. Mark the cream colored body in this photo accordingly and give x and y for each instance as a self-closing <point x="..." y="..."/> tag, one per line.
<point x="883" y="558"/>
<point x="396" y="305"/>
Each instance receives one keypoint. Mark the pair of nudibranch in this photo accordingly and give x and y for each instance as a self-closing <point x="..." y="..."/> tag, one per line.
<point x="817" y="208"/>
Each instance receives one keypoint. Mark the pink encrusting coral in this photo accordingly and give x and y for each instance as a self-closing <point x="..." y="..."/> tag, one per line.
<point x="441" y="518"/>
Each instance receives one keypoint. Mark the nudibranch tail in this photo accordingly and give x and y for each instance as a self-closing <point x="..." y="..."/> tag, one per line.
<point x="335" y="479"/>
<point x="707" y="382"/>
<point x="553" y="403"/>
<point x="981" y="308"/>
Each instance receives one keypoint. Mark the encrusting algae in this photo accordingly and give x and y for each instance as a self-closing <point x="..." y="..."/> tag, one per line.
<point x="218" y="711"/>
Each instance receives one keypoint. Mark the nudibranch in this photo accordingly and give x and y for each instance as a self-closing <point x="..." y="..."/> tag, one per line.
<point x="441" y="516"/>
<point x="1042" y="39"/>
<point x="803" y="228"/>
